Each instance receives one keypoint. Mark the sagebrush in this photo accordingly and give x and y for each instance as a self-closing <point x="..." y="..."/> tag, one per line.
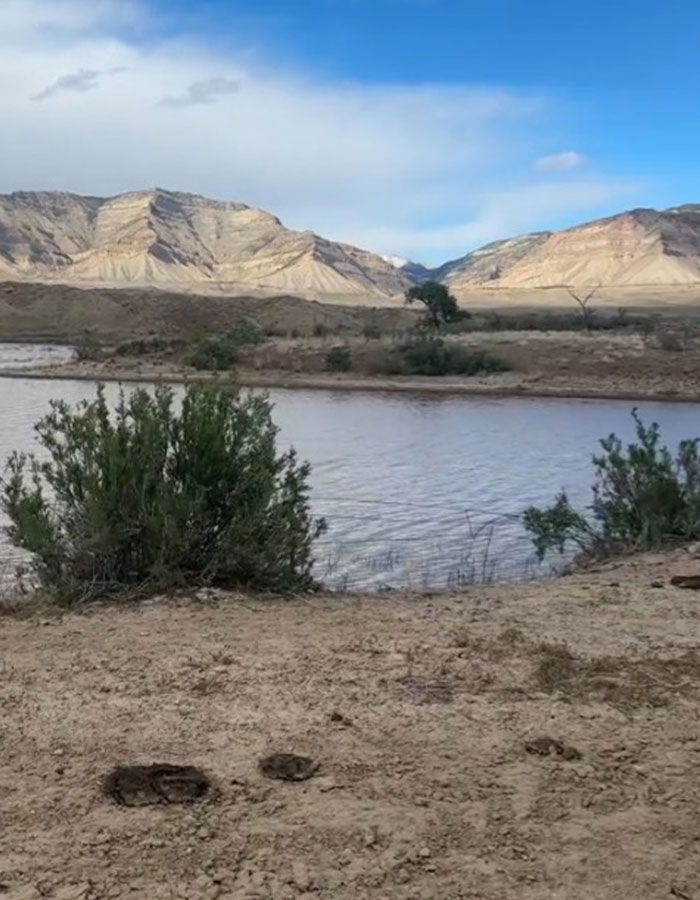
<point x="643" y="496"/>
<point x="220" y="352"/>
<point x="150" y="495"/>
<point x="339" y="358"/>
<point x="429" y="355"/>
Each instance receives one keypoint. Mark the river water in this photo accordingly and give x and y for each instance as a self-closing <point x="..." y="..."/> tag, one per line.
<point x="419" y="490"/>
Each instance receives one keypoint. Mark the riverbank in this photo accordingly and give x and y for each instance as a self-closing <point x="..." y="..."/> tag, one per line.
<point x="418" y="710"/>
<point x="651" y="385"/>
<point x="599" y="365"/>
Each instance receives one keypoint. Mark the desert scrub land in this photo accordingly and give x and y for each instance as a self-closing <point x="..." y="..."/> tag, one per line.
<point x="510" y="742"/>
<point x="537" y="363"/>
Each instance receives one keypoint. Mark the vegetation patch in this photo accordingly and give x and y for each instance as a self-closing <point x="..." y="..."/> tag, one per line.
<point x="339" y="359"/>
<point x="643" y="497"/>
<point x="128" y="502"/>
<point x="432" y="355"/>
<point x="215" y="353"/>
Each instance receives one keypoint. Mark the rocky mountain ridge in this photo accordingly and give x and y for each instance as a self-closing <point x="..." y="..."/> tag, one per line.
<point x="638" y="248"/>
<point x="174" y="240"/>
<point x="186" y="242"/>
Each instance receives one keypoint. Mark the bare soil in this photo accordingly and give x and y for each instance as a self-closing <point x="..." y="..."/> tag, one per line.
<point x="529" y="742"/>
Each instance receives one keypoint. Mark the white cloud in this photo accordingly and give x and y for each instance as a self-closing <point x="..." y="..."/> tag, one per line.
<point x="561" y="162"/>
<point x="380" y="165"/>
<point x="501" y="214"/>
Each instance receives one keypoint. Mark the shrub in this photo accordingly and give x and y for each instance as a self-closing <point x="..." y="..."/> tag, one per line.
<point x="643" y="497"/>
<point x="433" y="356"/>
<point x="221" y="352"/>
<point x="246" y="333"/>
<point x="145" y="346"/>
<point x="371" y="332"/>
<point x="213" y="354"/>
<point x="338" y="359"/>
<point x="87" y="347"/>
<point x="146" y="497"/>
<point x="320" y="330"/>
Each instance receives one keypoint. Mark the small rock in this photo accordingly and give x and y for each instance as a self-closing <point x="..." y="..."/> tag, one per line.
<point x="402" y="876"/>
<point x="657" y="584"/>
<point x="370" y="836"/>
<point x="424" y="852"/>
<point x="300" y="875"/>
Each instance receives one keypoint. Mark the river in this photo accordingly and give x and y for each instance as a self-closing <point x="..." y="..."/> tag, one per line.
<point x="419" y="491"/>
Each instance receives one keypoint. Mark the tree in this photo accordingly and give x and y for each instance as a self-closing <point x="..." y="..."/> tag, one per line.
<point x="441" y="305"/>
<point x="156" y="494"/>
<point x="583" y="302"/>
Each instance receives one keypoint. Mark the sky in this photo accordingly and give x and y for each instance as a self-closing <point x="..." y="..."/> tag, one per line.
<point x="418" y="128"/>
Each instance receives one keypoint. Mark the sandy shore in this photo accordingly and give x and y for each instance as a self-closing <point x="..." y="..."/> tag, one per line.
<point x="506" y="385"/>
<point x="425" y="789"/>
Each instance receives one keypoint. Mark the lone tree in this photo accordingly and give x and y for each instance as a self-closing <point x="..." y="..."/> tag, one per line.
<point x="441" y="305"/>
<point x="583" y="300"/>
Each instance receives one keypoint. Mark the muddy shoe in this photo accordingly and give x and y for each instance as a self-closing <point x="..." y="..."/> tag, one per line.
<point x="546" y="746"/>
<point x="159" y="783"/>
<point x="287" y="767"/>
<point x="691" y="582"/>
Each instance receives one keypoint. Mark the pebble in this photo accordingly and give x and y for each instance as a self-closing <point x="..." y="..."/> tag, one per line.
<point x="300" y="875"/>
<point x="424" y="852"/>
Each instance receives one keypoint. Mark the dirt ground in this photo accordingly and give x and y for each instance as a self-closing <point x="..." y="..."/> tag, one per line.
<point x="418" y="710"/>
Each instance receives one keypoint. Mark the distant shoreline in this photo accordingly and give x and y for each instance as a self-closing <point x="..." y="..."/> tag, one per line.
<point x="497" y="386"/>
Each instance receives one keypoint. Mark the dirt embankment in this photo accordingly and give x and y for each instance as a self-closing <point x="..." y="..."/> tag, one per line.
<point x="40" y="312"/>
<point x="425" y="715"/>
<point x="559" y="364"/>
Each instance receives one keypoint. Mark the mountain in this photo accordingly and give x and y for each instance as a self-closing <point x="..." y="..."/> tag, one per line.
<point x="188" y="243"/>
<point x="179" y="241"/>
<point x="414" y="271"/>
<point x="642" y="247"/>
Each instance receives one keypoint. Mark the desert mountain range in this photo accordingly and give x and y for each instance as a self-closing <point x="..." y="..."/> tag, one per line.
<point x="167" y="239"/>
<point x="186" y="242"/>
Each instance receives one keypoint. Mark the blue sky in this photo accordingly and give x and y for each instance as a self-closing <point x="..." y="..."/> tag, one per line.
<point x="416" y="127"/>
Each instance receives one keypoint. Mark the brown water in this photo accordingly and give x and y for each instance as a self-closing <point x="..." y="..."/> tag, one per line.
<point x="418" y="490"/>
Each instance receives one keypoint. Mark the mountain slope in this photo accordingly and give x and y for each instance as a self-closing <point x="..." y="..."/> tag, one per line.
<point x="169" y="239"/>
<point x="642" y="247"/>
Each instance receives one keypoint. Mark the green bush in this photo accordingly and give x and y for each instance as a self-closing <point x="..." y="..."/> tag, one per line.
<point x="148" y="497"/>
<point x="643" y="497"/>
<point x="213" y="354"/>
<point x="338" y="359"/>
<point x="87" y="347"/>
<point x="216" y="352"/>
<point x="246" y="333"/>
<point x="371" y="332"/>
<point x="434" y="356"/>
